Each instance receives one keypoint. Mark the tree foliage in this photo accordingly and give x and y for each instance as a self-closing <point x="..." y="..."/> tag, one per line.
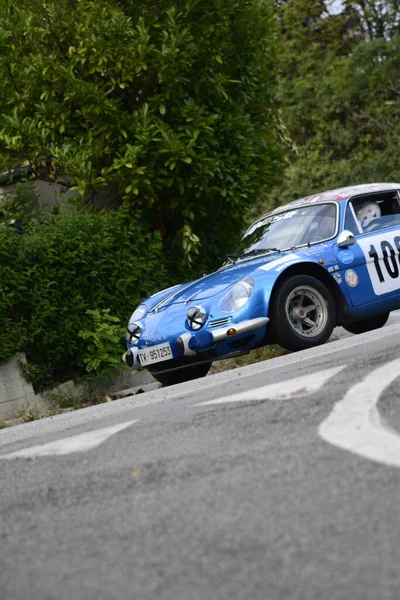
<point x="340" y="94"/>
<point x="167" y="105"/>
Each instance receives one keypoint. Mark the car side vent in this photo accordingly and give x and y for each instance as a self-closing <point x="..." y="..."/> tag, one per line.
<point x="219" y="322"/>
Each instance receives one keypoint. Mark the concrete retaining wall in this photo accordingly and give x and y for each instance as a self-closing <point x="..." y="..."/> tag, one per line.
<point x="45" y="193"/>
<point x="15" y="391"/>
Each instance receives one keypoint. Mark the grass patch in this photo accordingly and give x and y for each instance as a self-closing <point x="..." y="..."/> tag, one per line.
<point x="63" y="401"/>
<point x="29" y="413"/>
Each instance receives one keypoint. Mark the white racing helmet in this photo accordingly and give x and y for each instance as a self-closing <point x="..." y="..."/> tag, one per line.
<point x="367" y="212"/>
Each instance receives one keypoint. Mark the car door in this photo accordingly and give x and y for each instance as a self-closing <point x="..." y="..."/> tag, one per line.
<point x="373" y="262"/>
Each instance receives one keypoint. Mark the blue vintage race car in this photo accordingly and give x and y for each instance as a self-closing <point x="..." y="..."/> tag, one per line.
<point x="300" y="270"/>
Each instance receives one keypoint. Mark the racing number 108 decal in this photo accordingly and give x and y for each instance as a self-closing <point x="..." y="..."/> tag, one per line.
<point x="382" y="254"/>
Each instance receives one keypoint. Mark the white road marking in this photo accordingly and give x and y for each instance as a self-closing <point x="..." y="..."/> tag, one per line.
<point x="76" y="443"/>
<point x="298" y="386"/>
<point x="355" y="424"/>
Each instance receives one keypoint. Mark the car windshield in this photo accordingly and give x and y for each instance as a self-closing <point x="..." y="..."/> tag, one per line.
<point x="288" y="229"/>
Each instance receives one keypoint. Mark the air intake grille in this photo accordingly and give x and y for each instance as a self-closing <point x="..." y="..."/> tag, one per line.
<point x="219" y="322"/>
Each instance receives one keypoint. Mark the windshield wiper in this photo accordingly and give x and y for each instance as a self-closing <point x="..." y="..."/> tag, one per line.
<point x="259" y="251"/>
<point x="232" y="258"/>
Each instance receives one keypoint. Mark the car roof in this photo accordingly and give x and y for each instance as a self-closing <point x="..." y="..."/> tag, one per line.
<point x="340" y="194"/>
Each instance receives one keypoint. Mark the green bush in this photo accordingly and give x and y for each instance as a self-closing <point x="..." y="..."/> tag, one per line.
<point x="13" y="294"/>
<point x="20" y="206"/>
<point x="103" y="337"/>
<point x="59" y="270"/>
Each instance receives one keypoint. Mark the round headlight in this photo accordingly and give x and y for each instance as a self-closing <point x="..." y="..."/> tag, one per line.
<point x="196" y="317"/>
<point x="237" y="296"/>
<point x="139" y="313"/>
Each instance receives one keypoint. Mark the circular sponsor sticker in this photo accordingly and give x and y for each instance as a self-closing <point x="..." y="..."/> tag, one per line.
<point x="346" y="257"/>
<point x="351" y="277"/>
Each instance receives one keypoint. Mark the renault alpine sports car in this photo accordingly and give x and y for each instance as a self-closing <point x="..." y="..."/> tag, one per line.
<point x="300" y="270"/>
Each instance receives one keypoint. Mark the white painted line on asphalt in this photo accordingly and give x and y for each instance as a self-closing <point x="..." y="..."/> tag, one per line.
<point x="355" y="424"/>
<point x="285" y="390"/>
<point x="76" y="443"/>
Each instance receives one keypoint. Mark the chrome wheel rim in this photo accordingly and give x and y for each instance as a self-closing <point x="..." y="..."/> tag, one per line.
<point x="306" y="311"/>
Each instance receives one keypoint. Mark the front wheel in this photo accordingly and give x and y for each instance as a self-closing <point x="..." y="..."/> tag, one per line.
<point x="302" y="313"/>
<point x="184" y="374"/>
<point x="367" y="324"/>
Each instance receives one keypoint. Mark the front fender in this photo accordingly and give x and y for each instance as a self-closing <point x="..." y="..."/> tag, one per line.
<point x="270" y="278"/>
<point x="267" y="275"/>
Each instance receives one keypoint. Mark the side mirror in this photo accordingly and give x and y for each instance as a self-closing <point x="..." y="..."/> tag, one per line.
<point x="346" y="238"/>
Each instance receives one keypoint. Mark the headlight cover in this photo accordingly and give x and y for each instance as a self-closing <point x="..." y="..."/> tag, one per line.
<point x="237" y="296"/>
<point x="196" y="317"/>
<point x="138" y="314"/>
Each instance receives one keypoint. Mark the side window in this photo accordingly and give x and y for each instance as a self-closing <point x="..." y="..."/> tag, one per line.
<point x="350" y="221"/>
<point x="372" y="213"/>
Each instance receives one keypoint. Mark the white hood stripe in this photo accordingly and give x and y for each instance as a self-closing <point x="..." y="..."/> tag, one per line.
<point x="280" y="261"/>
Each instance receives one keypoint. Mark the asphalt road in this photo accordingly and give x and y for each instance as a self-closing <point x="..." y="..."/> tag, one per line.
<point x="280" y="480"/>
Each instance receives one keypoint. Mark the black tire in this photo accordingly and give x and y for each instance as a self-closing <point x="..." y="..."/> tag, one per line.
<point x="184" y="374"/>
<point x="297" y="295"/>
<point x="367" y="324"/>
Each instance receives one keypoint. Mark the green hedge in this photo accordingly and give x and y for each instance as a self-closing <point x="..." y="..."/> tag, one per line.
<point x="13" y="294"/>
<point x="60" y="268"/>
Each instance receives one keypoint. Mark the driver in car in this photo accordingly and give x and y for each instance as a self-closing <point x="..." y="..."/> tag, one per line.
<point x="366" y="213"/>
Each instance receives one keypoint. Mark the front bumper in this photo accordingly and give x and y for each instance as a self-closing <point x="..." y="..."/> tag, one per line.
<point x="192" y="344"/>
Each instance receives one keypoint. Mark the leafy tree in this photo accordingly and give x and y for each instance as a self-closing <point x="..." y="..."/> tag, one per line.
<point x="340" y="94"/>
<point x="377" y="18"/>
<point x="166" y="105"/>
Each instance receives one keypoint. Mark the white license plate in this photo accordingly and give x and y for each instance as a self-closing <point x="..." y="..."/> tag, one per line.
<point x="155" y="354"/>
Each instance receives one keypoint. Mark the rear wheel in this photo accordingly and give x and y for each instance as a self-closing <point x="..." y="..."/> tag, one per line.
<point x="302" y="313"/>
<point x="184" y="374"/>
<point x="367" y="324"/>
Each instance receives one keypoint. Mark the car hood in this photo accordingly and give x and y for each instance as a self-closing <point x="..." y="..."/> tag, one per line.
<point x="215" y="283"/>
